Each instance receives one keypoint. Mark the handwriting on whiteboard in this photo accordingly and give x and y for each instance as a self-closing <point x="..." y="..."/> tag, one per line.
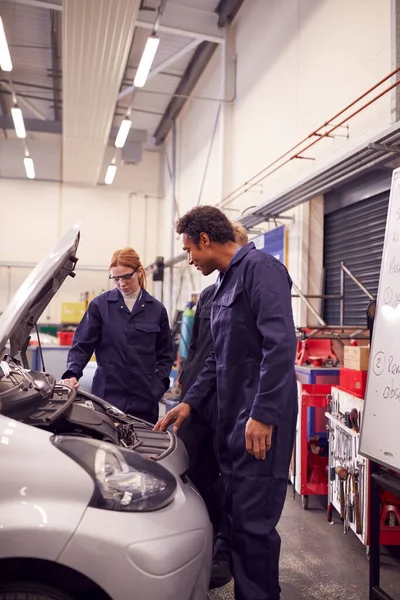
<point x="382" y="364"/>
<point x="391" y="298"/>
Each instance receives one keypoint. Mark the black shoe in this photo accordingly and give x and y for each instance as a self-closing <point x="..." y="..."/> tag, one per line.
<point x="220" y="574"/>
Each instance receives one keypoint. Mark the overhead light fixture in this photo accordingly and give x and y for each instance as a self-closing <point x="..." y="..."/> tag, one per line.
<point x="109" y="178"/>
<point x="146" y="61"/>
<point x="19" y="124"/>
<point x="123" y="133"/>
<point x="5" y="58"/>
<point x="29" y="167"/>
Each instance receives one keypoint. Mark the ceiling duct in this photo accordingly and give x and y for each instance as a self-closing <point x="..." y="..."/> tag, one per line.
<point x="97" y="37"/>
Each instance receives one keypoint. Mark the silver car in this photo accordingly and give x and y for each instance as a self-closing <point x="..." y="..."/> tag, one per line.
<point x="93" y="503"/>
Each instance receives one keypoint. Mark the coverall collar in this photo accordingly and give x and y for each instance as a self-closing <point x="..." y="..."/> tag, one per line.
<point x="240" y="254"/>
<point x="116" y="296"/>
<point x="237" y="257"/>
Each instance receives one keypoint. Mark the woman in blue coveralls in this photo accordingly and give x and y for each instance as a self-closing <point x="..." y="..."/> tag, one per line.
<point x="129" y="332"/>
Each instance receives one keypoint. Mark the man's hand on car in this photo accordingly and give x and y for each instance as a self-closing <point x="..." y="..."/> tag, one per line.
<point x="258" y="438"/>
<point x="72" y="382"/>
<point x="177" y="415"/>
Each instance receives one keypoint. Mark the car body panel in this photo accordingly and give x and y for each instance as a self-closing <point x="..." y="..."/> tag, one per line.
<point x="35" y="293"/>
<point x="45" y="496"/>
<point x="164" y="554"/>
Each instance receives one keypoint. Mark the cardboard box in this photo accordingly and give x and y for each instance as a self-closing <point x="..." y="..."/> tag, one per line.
<point x="356" y="357"/>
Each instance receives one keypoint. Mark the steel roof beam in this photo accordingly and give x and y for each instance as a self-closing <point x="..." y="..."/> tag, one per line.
<point x="163" y="65"/>
<point x="55" y="127"/>
<point x="186" y="85"/>
<point x="40" y="4"/>
<point x="227" y="11"/>
<point x="184" y="21"/>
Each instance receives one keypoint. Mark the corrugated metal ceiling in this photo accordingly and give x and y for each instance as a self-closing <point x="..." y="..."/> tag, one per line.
<point x="156" y="95"/>
<point x="29" y="36"/>
<point x="77" y="80"/>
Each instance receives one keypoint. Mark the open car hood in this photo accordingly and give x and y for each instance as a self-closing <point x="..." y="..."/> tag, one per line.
<point x="35" y="293"/>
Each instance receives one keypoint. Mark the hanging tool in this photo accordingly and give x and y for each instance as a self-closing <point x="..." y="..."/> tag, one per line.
<point x="342" y="473"/>
<point x="357" y="503"/>
<point x="354" y="420"/>
<point x="331" y="471"/>
<point x="360" y="490"/>
<point x="350" y="506"/>
<point x="346" y="506"/>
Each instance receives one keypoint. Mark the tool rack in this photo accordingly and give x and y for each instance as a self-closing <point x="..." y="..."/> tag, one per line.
<point x="349" y="495"/>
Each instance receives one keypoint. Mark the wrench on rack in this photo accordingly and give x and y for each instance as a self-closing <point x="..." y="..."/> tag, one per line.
<point x="331" y="470"/>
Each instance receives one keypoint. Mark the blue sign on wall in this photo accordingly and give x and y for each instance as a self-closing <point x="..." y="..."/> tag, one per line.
<point x="272" y="242"/>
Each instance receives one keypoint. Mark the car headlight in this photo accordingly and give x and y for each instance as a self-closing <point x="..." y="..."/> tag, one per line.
<point x="125" y="480"/>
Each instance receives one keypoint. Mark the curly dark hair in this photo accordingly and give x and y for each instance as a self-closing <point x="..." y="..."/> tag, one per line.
<point x="209" y="220"/>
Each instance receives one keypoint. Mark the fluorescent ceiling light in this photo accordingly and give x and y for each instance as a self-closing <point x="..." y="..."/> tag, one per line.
<point x="123" y="133"/>
<point x="29" y="167"/>
<point x="146" y="61"/>
<point x="19" y="124"/>
<point x="112" y="169"/>
<point x="5" y="58"/>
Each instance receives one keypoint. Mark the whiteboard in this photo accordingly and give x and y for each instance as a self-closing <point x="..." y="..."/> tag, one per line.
<point x="380" y="430"/>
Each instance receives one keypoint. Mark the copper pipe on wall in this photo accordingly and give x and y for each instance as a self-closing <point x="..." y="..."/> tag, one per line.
<point x="261" y="175"/>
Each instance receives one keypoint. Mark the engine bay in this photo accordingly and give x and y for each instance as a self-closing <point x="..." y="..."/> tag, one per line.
<point x="36" y="399"/>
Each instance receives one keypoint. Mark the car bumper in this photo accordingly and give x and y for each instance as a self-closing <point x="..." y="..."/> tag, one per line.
<point x="164" y="554"/>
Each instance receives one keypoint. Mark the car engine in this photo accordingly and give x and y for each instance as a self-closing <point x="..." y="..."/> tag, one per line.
<point x="35" y="398"/>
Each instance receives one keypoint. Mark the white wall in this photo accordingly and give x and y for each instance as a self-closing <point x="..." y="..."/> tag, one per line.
<point x="35" y="214"/>
<point x="45" y="149"/>
<point x="299" y="62"/>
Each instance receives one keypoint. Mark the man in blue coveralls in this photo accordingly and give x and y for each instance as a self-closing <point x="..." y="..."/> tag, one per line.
<point x="252" y="367"/>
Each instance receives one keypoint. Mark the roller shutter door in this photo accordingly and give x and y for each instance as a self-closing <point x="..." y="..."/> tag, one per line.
<point x="354" y="234"/>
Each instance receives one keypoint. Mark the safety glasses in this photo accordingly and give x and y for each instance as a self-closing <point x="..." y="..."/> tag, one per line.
<point x="125" y="277"/>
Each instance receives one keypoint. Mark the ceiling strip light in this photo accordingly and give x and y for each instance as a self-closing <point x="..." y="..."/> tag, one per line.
<point x="19" y="124"/>
<point x="29" y="167"/>
<point x="109" y="178"/>
<point x="146" y="61"/>
<point x="123" y="133"/>
<point x="5" y="58"/>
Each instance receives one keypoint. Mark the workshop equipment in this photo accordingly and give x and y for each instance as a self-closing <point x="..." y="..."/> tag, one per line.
<point x="316" y="352"/>
<point x="357" y="507"/>
<point x="348" y="486"/>
<point x="313" y="477"/>
<point x="186" y="330"/>
<point x="353" y="381"/>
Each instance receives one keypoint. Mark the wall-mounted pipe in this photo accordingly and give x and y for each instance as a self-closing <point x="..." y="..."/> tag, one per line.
<point x="322" y="132"/>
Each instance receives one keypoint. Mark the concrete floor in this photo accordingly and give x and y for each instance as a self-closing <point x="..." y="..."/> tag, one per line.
<point x="320" y="562"/>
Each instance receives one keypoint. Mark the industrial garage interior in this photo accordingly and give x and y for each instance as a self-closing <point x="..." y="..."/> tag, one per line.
<point x="283" y="114"/>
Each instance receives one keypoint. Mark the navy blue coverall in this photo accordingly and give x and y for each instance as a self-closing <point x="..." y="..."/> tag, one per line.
<point x="253" y="367"/>
<point x="133" y="352"/>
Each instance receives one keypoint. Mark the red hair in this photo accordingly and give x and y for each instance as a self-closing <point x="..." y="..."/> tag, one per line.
<point x="127" y="257"/>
